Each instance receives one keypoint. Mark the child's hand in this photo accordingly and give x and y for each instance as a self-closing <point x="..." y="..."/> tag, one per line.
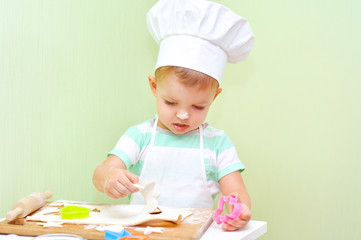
<point x="239" y="223"/>
<point x="119" y="183"/>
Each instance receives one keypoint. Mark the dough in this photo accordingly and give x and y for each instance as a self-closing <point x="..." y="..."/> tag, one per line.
<point x="119" y="214"/>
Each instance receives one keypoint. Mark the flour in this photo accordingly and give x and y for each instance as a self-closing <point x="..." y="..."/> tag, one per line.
<point x="51" y="224"/>
<point x="197" y="217"/>
<point x="113" y="228"/>
<point x="149" y="230"/>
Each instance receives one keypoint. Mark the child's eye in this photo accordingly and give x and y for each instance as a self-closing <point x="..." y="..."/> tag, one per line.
<point x="198" y="107"/>
<point x="169" y="103"/>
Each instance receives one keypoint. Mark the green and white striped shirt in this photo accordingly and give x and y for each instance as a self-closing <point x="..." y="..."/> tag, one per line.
<point x="220" y="155"/>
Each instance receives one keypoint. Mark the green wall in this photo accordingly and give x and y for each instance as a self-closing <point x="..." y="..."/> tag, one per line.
<point x="73" y="78"/>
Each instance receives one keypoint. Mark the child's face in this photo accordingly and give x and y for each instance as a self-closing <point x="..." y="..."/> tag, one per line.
<point x="180" y="108"/>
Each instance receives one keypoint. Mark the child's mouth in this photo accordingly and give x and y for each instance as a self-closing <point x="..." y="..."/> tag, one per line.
<point x="180" y="127"/>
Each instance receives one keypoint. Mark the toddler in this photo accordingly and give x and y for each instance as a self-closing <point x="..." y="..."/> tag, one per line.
<point x="189" y="160"/>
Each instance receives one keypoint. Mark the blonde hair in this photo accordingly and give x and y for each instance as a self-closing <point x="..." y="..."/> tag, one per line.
<point x="188" y="77"/>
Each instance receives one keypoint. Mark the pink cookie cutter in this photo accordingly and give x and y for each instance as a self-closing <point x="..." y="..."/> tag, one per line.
<point x="218" y="218"/>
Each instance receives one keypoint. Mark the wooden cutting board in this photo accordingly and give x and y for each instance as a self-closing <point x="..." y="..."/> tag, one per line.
<point x="192" y="227"/>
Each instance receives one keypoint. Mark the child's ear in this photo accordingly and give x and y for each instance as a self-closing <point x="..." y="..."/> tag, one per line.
<point x="152" y="84"/>
<point x="217" y="93"/>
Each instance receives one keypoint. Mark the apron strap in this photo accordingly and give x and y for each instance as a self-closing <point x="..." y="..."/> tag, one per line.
<point x="154" y="130"/>
<point x="202" y="152"/>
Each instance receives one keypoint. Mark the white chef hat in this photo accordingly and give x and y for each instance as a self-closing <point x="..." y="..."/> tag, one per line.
<point x="199" y="35"/>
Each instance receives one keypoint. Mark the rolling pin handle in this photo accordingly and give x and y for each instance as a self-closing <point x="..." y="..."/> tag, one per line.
<point x="14" y="213"/>
<point x="48" y="194"/>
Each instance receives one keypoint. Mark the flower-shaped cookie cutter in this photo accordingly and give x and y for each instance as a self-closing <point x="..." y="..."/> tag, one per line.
<point x="218" y="218"/>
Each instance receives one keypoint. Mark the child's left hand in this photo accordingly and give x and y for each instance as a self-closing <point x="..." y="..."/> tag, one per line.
<point x="239" y="223"/>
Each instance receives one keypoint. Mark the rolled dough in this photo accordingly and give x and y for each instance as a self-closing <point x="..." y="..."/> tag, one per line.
<point x="119" y="214"/>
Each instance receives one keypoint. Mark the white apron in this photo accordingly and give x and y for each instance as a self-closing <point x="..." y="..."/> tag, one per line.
<point x="181" y="182"/>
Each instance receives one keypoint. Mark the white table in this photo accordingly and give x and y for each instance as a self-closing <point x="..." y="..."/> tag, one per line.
<point x="253" y="230"/>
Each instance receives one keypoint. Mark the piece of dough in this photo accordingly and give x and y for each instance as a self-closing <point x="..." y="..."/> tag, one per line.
<point x="150" y="196"/>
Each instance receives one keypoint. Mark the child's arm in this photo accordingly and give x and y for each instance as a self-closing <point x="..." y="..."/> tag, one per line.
<point x="232" y="184"/>
<point x="112" y="178"/>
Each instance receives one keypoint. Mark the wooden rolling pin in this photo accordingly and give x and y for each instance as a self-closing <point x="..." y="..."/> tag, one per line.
<point x="28" y="205"/>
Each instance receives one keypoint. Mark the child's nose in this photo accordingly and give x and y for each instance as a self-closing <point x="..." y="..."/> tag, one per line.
<point x="183" y="115"/>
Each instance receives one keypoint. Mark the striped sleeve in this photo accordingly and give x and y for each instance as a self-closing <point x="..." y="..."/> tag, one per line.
<point x="129" y="146"/>
<point x="227" y="157"/>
